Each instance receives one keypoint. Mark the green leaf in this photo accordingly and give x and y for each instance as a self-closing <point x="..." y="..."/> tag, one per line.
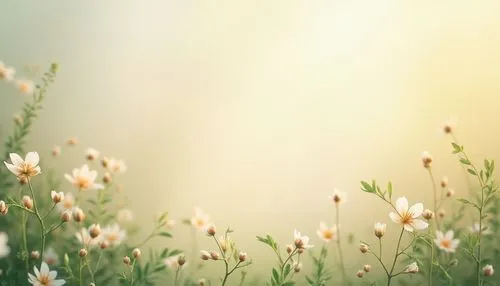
<point x="472" y="172"/>
<point x="456" y="148"/>
<point x="365" y="187"/>
<point x="389" y="190"/>
<point x="467" y="202"/>
<point x="276" y="276"/>
<point x="165" y="234"/>
<point x="464" y="161"/>
<point x="287" y="270"/>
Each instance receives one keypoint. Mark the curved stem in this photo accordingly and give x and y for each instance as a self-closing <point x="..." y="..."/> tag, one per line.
<point x="397" y="253"/>
<point x="434" y="188"/>
<point x="176" y="279"/>
<point x="40" y="220"/>
<point x="339" y="248"/>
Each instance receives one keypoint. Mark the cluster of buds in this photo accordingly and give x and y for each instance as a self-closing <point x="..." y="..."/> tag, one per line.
<point x="3" y="208"/>
<point x="366" y="268"/>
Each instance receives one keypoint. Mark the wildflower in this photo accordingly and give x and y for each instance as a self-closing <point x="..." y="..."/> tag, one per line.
<point x="488" y="270"/>
<point x="44" y="277"/>
<point x="360" y="273"/>
<point x="124" y="215"/>
<point x="50" y="256"/>
<point x="84" y="179"/>
<point x="4" y="248"/>
<point x="27" y="202"/>
<point x="56" y="151"/>
<point x="297" y="267"/>
<point x="475" y="229"/>
<point x="449" y="126"/>
<point x="211" y="230"/>
<point x="301" y="242"/>
<point x="379" y="229"/>
<point x="214" y="255"/>
<point x="35" y="254"/>
<point x="444" y="182"/>
<point x="57" y="197"/>
<point x="84" y="237"/>
<point x="83" y="252"/>
<point x="78" y="214"/>
<point x="6" y="73"/>
<point x="450" y="193"/>
<point x="205" y="255"/>
<point x="67" y="203"/>
<point x="107" y="178"/>
<point x="428" y="214"/>
<point x="200" y="219"/>
<point x="25" y="86"/>
<point x="172" y="262"/>
<point x="363" y="248"/>
<point x="72" y="141"/>
<point x="408" y="216"/>
<point x="91" y="154"/>
<point x="116" y="166"/>
<point x="3" y="208"/>
<point x="367" y="268"/>
<point x="426" y="159"/>
<point x="181" y="260"/>
<point x="94" y="230"/>
<point x="126" y="260"/>
<point x="338" y="197"/>
<point x="24" y="169"/>
<point x="327" y="233"/>
<point x="446" y="242"/>
<point x="136" y="253"/>
<point x="114" y="234"/>
<point x="242" y="256"/>
<point x="66" y="216"/>
<point x="289" y="248"/>
<point x="411" y="268"/>
<point x="202" y="282"/>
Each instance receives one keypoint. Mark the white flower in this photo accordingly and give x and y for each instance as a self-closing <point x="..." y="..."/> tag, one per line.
<point x="91" y="154"/>
<point x="379" y="229"/>
<point x="24" y="169"/>
<point x="84" y="179"/>
<point x="4" y="248"/>
<point x="338" y="197"/>
<point x="488" y="270"/>
<point x="44" y="277"/>
<point x="426" y="159"/>
<point x="475" y="229"/>
<point x="412" y="268"/>
<point x="50" y="256"/>
<point x="124" y="215"/>
<point x="83" y="237"/>
<point x="446" y="242"/>
<point x="327" y="233"/>
<point x="25" y="86"/>
<point x="408" y="216"/>
<point x="449" y="125"/>
<point x="6" y="73"/>
<point x="67" y="203"/>
<point x="116" y="166"/>
<point x="113" y="234"/>
<point x="172" y="262"/>
<point x="200" y="219"/>
<point x="301" y="242"/>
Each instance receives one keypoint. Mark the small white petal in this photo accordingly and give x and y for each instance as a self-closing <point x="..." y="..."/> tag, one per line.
<point x="408" y="227"/>
<point x="32" y="158"/>
<point x="420" y="224"/>
<point x="402" y="205"/>
<point x="394" y="217"/>
<point x="16" y="159"/>
<point x="416" y="210"/>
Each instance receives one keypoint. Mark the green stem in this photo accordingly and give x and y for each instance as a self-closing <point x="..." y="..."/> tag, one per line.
<point x="132" y="273"/>
<point x="339" y="248"/>
<point x="90" y="269"/>
<point x="389" y="277"/>
<point x="81" y="272"/>
<point x="176" y="279"/>
<point x="42" y="225"/>
<point x="25" y="241"/>
<point x="435" y="196"/>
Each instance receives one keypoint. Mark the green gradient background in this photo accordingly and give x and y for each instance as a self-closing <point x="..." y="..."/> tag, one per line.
<point x="256" y="110"/>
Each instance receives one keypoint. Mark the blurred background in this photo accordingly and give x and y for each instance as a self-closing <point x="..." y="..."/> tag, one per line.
<point x="254" y="111"/>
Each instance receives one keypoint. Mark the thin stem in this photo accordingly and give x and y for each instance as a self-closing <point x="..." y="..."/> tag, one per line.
<point x="54" y="227"/>
<point x="98" y="261"/>
<point x="25" y="241"/>
<point x="339" y="248"/>
<point x="51" y="209"/>
<point x="176" y="279"/>
<point x="132" y="272"/>
<point x="226" y="264"/>
<point x="42" y="225"/>
<point x="396" y="255"/>
<point x="90" y="269"/>
<point x="81" y="272"/>
<point x="434" y="188"/>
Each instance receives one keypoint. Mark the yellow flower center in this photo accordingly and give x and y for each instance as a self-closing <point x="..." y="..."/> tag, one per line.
<point x="68" y="204"/>
<point x="112" y="237"/>
<point x="82" y="182"/>
<point x="24" y="87"/>
<point x="406" y="218"/>
<point x="199" y="222"/>
<point x="27" y="171"/>
<point x="445" y="243"/>
<point x="44" y="280"/>
<point x="327" y="234"/>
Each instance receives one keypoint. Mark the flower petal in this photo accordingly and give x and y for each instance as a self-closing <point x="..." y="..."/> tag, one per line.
<point x="416" y="210"/>
<point x="419" y="224"/>
<point x="12" y="168"/>
<point x="402" y="205"/>
<point x="16" y="159"/>
<point x="408" y="227"/>
<point x="52" y="275"/>
<point x="449" y="234"/>
<point x="44" y="269"/>
<point x="37" y="273"/>
<point x="394" y="217"/>
<point x="32" y="159"/>
<point x="69" y="178"/>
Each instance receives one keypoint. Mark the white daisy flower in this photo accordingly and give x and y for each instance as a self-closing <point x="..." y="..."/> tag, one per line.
<point x="200" y="219"/>
<point x="446" y="242"/>
<point x="44" y="277"/>
<point x="338" y="197"/>
<point x="84" y="179"/>
<point x="408" y="216"/>
<point x="327" y="233"/>
<point x="113" y="234"/>
<point x="24" y="169"/>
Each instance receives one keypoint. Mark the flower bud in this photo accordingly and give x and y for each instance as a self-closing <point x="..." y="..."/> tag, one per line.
<point x="297" y="267"/>
<point x="428" y="214"/>
<point x="205" y="255"/>
<point x="104" y="244"/>
<point x="367" y="267"/>
<point x="78" y="214"/>
<point x="379" y="229"/>
<point x="66" y="216"/>
<point x="126" y="260"/>
<point x="136" y="253"/>
<point x="444" y="182"/>
<point x="92" y="284"/>
<point x="3" y="208"/>
<point x="242" y="256"/>
<point x="91" y="154"/>
<point x="488" y="270"/>
<point x="23" y="180"/>
<point x="300" y="250"/>
<point x="360" y="273"/>
<point x="450" y="193"/>
<point x="441" y="213"/>
<point x="104" y="162"/>
<point x="35" y="254"/>
<point x="289" y="248"/>
<point x="83" y="252"/>
<point x="181" y="260"/>
<point x="56" y="151"/>
<point x="211" y="230"/>
<point x="27" y="202"/>
<point x="426" y="159"/>
<point x="202" y="282"/>
<point x="215" y="255"/>
<point x="57" y="197"/>
<point x="299" y="243"/>
<point x="107" y="178"/>
<point x="363" y="248"/>
<point x="72" y="141"/>
<point x="94" y="230"/>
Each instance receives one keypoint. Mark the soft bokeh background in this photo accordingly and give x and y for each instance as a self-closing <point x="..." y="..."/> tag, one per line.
<point x="256" y="110"/>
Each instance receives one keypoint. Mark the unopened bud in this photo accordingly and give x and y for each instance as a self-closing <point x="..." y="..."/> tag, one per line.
<point x="91" y="284"/>
<point x="91" y="154"/>
<point x="428" y="214"/>
<point x="78" y="214"/>
<point x="441" y="213"/>
<point x="379" y="229"/>
<point x="56" y="151"/>
<point x="3" y="208"/>
<point x="35" y="254"/>
<point x="181" y="260"/>
<point x="104" y="244"/>
<point x="426" y="159"/>
<point x="202" y="282"/>
<point x="66" y="216"/>
<point x="57" y="197"/>
<point x="27" y="202"/>
<point x="488" y="270"/>
<point x="215" y="255"/>
<point x="360" y="273"/>
<point x="136" y="253"/>
<point x="107" y="178"/>
<point x="450" y="193"/>
<point x="94" y="230"/>
<point x="105" y="162"/>
<point x="242" y="256"/>
<point x="367" y="267"/>
<point x="72" y="141"/>
<point x="363" y="248"/>
<point x="300" y="250"/>
<point x="211" y="230"/>
<point x="82" y="252"/>
<point x="205" y="255"/>
<point x="444" y="182"/>
<point x="23" y="180"/>
<point x="289" y="249"/>
<point x="297" y="267"/>
<point x="299" y="243"/>
<point x="126" y="260"/>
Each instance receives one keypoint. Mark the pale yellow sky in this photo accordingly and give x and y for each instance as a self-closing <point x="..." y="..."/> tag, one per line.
<point x="256" y="110"/>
